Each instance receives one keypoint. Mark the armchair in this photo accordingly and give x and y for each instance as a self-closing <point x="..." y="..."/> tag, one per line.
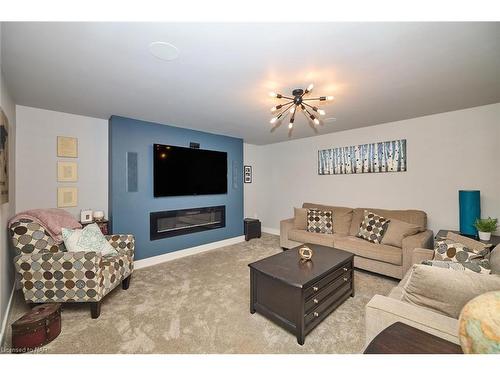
<point x="47" y="272"/>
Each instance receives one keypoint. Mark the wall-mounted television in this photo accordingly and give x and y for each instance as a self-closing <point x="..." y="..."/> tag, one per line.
<point x="188" y="171"/>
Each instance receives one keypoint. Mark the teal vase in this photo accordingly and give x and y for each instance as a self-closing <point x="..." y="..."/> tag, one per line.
<point x="470" y="210"/>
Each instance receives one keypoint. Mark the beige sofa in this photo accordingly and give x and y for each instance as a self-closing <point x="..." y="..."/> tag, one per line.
<point x="382" y="311"/>
<point x="384" y="259"/>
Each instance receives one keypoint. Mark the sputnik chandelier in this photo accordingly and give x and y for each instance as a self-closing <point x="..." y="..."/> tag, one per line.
<point x="297" y="103"/>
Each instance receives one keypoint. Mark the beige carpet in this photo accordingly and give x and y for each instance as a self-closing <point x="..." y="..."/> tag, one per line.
<point x="200" y="304"/>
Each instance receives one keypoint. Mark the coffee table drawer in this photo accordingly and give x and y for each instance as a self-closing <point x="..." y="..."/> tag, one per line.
<point x="319" y="285"/>
<point x="317" y="313"/>
<point x="319" y="297"/>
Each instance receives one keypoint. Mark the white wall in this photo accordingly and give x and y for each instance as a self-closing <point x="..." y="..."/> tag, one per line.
<point x="7" y="209"/>
<point x="36" y="162"/>
<point x="446" y="152"/>
<point x="255" y="191"/>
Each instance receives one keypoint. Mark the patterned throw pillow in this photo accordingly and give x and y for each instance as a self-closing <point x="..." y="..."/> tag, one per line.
<point x="89" y="238"/>
<point x="475" y="265"/>
<point x="319" y="221"/>
<point x="373" y="227"/>
<point x="457" y="256"/>
<point x="449" y="250"/>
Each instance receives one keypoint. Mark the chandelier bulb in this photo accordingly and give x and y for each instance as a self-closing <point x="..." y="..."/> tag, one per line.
<point x="273" y="120"/>
<point x="316" y="121"/>
<point x="321" y="112"/>
<point x="329" y="98"/>
<point x="290" y="125"/>
<point x="274" y="109"/>
<point x="292" y="110"/>
<point x="310" y="87"/>
<point x="273" y="94"/>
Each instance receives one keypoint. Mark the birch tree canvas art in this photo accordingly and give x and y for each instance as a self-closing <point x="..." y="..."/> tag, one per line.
<point x="379" y="157"/>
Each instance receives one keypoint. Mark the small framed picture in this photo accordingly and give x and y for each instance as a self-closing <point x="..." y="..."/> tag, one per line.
<point x="67" y="197"/>
<point x="67" y="171"/>
<point x="86" y="216"/>
<point x="247" y="174"/>
<point x="67" y="147"/>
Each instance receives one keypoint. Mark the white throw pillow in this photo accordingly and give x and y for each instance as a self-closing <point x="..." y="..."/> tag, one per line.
<point x="89" y="238"/>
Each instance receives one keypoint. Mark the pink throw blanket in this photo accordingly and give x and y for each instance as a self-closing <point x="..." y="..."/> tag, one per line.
<point x="52" y="219"/>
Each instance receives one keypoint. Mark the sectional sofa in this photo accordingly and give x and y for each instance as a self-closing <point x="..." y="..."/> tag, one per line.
<point x="388" y="260"/>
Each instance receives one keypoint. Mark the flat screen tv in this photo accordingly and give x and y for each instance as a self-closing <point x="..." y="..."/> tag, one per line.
<point x="188" y="171"/>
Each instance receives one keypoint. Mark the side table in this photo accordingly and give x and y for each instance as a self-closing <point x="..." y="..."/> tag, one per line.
<point x="494" y="240"/>
<point x="102" y="224"/>
<point x="400" y="338"/>
<point x="251" y="229"/>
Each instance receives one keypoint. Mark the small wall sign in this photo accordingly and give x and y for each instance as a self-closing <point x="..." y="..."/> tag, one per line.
<point x="247" y="174"/>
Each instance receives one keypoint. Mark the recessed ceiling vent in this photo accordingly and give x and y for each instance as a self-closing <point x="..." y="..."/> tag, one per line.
<point x="164" y="51"/>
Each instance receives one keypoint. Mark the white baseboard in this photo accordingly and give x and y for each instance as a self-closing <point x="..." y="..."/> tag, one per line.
<point x="186" y="252"/>
<point x="271" y="230"/>
<point x="6" y="316"/>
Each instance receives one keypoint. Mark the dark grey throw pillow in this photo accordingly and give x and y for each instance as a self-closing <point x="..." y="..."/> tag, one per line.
<point x="319" y="221"/>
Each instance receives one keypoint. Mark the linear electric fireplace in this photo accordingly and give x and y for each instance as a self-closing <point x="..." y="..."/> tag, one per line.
<point x="178" y="222"/>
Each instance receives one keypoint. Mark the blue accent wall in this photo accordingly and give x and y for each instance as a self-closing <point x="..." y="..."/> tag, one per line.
<point x="129" y="211"/>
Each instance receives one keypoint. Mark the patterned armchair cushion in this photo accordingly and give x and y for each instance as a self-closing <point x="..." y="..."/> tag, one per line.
<point x="29" y="237"/>
<point x="74" y="276"/>
<point x="113" y="269"/>
<point x="59" y="277"/>
<point x="123" y="243"/>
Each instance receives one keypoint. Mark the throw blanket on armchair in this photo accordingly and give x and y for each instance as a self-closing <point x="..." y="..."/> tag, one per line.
<point x="52" y="219"/>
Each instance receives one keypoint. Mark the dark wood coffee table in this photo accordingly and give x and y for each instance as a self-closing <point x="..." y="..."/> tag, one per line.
<point x="400" y="338"/>
<point x="298" y="295"/>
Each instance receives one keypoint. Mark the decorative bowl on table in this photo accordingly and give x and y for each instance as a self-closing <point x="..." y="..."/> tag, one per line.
<point x="305" y="253"/>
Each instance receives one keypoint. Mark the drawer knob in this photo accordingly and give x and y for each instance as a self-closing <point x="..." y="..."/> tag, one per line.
<point x="315" y="288"/>
<point x="315" y="314"/>
<point x="315" y="301"/>
<point x="345" y="279"/>
<point x="345" y="269"/>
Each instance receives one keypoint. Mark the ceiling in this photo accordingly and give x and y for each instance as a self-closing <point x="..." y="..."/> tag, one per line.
<point x="378" y="72"/>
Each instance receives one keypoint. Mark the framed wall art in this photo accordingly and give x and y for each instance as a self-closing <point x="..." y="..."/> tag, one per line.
<point x="389" y="156"/>
<point x="67" y="171"/>
<point x="67" y="197"/>
<point x="67" y="147"/>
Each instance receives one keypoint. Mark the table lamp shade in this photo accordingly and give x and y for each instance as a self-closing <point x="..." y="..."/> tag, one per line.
<point x="470" y="210"/>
